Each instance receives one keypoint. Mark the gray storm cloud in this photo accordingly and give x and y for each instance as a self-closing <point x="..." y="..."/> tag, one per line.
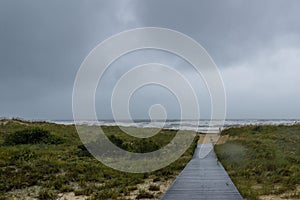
<point x="256" y="45"/>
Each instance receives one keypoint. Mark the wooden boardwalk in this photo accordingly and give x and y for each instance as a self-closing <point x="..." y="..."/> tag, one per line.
<point x="203" y="178"/>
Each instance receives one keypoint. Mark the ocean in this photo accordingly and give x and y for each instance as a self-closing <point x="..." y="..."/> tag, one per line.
<point x="194" y="125"/>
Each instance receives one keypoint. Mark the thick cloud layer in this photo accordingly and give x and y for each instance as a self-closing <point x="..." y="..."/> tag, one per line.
<point x="256" y="44"/>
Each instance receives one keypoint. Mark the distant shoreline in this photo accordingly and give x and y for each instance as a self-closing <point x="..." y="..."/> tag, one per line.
<point x="201" y="126"/>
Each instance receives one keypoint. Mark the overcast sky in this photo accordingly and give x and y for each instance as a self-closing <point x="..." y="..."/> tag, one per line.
<point x="256" y="45"/>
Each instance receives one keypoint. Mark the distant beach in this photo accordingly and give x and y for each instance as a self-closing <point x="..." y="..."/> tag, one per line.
<point x="193" y="125"/>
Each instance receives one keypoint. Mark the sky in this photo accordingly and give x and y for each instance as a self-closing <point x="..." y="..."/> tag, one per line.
<point x="255" y="44"/>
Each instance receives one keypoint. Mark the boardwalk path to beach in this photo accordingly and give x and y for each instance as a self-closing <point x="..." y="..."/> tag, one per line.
<point x="203" y="178"/>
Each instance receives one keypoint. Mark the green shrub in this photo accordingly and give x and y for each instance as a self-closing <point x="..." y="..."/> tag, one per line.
<point x="23" y="155"/>
<point x="154" y="188"/>
<point x="117" y="141"/>
<point x="132" y="188"/>
<point x="145" y="145"/>
<point x="156" y="179"/>
<point x="83" y="151"/>
<point x="144" y="195"/>
<point x="47" y="194"/>
<point x="79" y="192"/>
<point x="66" y="188"/>
<point x="31" y="136"/>
<point x="105" y="194"/>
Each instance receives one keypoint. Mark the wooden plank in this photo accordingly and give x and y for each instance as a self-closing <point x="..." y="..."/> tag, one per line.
<point x="203" y="178"/>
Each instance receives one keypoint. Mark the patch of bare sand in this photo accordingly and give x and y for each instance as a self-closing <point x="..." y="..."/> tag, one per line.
<point x="163" y="186"/>
<point x="29" y="193"/>
<point x="291" y="195"/>
<point x="270" y="197"/>
<point x="6" y="121"/>
<point x="276" y="197"/>
<point x="3" y="122"/>
<point x="71" y="196"/>
<point x="213" y="138"/>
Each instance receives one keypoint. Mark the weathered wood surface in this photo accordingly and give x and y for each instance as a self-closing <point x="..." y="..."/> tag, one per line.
<point x="203" y="178"/>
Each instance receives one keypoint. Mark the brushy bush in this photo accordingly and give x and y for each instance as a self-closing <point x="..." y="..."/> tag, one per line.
<point x="264" y="156"/>
<point x="83" y="151"/>
<point x="144" y="195"/>
<point x="47" y="194"/>
<point x="117" y="141"/>
<point x="23" y="155"/>
<point x="154" y="188"/>
<point x="32" y="136"/>
<point x="105" y="194"/>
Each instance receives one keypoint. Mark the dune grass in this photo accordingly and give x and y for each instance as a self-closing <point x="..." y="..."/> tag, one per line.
<point x="263" y="160"/>
<point x="56" y="162"/>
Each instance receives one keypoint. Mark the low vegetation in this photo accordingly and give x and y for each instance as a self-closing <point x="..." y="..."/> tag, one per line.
<point x="263" y="161"/>
<point x="44" y="161"/>
<point x="31" y="136"/>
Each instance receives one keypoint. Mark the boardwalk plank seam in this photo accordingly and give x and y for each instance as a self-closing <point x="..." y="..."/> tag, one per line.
<point x="203" y="178"/>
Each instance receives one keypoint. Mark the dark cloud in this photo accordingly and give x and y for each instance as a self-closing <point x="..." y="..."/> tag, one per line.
<point x="42" y="47"/>
<point x="255" y="44"/>
<point x="229" y="30"/>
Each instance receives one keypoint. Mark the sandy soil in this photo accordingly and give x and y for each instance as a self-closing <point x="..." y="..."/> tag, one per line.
<point x="276" y="197"/>
<point x="212" y="138"/>
<point x="163" y="185"/>
<point x="3" y="122"/>
<point x="71" y="196"/>
<point x="287" y="195"/>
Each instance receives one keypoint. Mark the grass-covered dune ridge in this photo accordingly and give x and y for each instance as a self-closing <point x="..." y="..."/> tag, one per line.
<point x="45" y="161"/>
<point x="263" y="161"/>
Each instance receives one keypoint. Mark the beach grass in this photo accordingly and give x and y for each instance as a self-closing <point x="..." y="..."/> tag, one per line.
<point x="56" y="163"/>
<point x="263" y="161"/>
